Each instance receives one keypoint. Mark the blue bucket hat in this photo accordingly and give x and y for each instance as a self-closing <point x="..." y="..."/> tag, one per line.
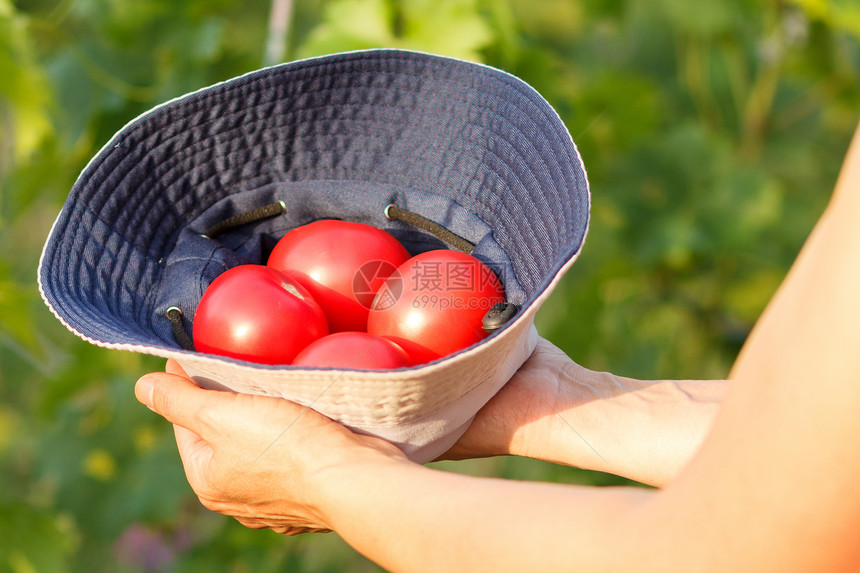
<point x="391" y="138"/>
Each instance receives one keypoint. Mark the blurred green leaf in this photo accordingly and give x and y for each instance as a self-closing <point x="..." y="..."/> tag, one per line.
<point x="24" y="91"/>
<point x="34" y="540"/>
<point x="450" y="27"/>
<point x="841" y="14"/>
<point x="350" y="25"/>
<point x="703" y="18"/>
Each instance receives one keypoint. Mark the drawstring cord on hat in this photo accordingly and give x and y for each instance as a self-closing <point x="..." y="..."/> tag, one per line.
<point x="395" y="213"/>
<point x="252" y="216"/>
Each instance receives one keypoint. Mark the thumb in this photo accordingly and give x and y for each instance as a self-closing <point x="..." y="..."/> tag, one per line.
<point x="177" y="398"/>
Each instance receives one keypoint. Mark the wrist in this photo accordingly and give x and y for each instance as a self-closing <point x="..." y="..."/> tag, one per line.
<point x="566" y="415"/>
<point x="340" y="482"/>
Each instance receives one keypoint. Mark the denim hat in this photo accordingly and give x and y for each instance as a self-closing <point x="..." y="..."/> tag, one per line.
<point x="214" y="178"/>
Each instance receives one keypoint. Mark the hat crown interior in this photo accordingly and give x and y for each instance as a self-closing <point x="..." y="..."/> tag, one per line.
<point x="343" y="136"/>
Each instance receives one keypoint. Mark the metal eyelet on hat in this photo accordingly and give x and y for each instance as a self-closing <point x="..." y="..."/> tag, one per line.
<point x="174" y="315"/>
<point x="499" y="315"/>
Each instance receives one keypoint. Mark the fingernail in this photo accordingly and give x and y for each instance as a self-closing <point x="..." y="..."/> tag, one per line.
<point x="143" y="391"/>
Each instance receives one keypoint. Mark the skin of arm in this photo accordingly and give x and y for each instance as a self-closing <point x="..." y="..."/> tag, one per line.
<point x="555" y="410"/>
<point x="772" y="487"/>
<point x="779" y="467"/>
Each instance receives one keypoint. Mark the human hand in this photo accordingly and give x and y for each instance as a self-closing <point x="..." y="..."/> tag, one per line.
<point x="259" y="459"/>
<point x="555" y="410"/>
<point x="519" y="413"/>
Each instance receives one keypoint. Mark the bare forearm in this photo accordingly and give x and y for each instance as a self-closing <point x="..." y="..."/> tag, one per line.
<point x="642" y="430"/>
<point x="410" y="518"/>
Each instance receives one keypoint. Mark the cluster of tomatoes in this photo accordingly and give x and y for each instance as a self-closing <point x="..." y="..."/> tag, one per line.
<point x="346" y="295"/>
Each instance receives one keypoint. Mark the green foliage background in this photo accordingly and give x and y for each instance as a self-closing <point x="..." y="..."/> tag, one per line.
<point x="712" y="132"/>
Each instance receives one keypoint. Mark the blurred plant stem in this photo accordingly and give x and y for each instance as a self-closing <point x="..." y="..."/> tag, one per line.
<point x="7" y="145"/>
<point x="279" y="31"/>
<point x="759" y="102"/>
<point x="753" y="82"/>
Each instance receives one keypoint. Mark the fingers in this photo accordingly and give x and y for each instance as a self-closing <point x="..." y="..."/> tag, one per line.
<point x="191" y="446"/>
<point x="173" y="367"/>
<point x="283" y="529"/>
<point x="197" y="456"/>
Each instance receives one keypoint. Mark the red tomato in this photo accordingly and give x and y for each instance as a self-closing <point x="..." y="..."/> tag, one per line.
<point x="353" y="350"/>
<point x="255" y="313"/>
<point x="342" y="265"/>
<point x="444" y="297"/>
